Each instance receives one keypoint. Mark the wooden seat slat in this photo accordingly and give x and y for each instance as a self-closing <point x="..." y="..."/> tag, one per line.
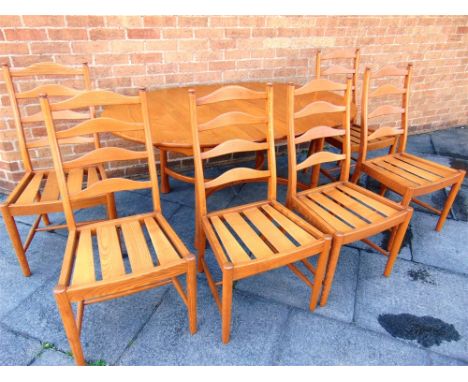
<point x="51" y="190"/>
<point x="299" y="234"/>
<point x="247" y="234"/>
<point x="137" y="249"/>
<point x="110" y="254"/>
<point x="165" y="251"/>
<point x="269" y="230"/>
<point x="32" y="189"/>
<point x="233" y="250"/>
<point x="370" y="201"/>
<point x="337" y="210"/>
<point x="84" y="270"/>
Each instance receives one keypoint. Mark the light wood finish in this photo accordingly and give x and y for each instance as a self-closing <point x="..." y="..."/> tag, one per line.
<point x="342" y="209"/>
<point x="170" y="121"/>
<point x="37" y="192"/>
<point x="406" y="174"/>
<point x="94" y="268"/>
<point x="257" y="237"/>
<point x="376" y="142"/>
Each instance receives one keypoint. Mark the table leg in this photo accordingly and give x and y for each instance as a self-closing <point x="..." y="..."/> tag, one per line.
<point x="165" y="187"/>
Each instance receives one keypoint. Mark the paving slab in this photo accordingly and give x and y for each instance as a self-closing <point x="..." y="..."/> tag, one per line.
<point x="283" y="286"/>
<point x="451" y="142"/>
<point x="183" y="223"/>
<point x="446" y="249"/>
<point x="17" y="350"/>
<point x="165" y="340"/>
<point x="381" y="239"/>
<point x="107" y="326"/>
<point x="44" y="256"/>
<point x="53" y="358"/>
<point x="419" y="144"/>
<point x="314" y="340"/>
<point x="417" y="290"/>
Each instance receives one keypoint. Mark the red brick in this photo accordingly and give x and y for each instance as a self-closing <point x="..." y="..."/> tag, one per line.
<point x="70" y="34"/>
<point x="111" y="59"/>
<point x="223" y="44"/>
<point x="25" y="34"/>
<point x="224" y="21"/>
<point x="50" y="47"/>
<point x="42" y="21"/>
<point x="192" y="21"/>
<point x="143" y="33"/>
<point x="30" y="59"/>
<point x="159" y="21"/>
<point x="13" y="48"/>
<point x="177" y="33"/>
<point x="106" y="34"/>
<point x="222" y="65"/>
<point x="85" y="21"/>
<point x="124" y="21"/>
<point x="90" y="47"/>
<point x="140" y="58"/>
<point x="10" y="21"/>
<point x="237" y="33"/>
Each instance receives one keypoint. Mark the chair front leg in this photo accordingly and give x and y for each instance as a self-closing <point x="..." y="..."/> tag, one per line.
<point x="397" y="241"/>
<point x="226" y="305"/>
<point x="332" y="262"/>
<point x="319" y="275"/>
<point x="16" y="241"/>
<point x="71" y="329"/>
<point x="449" y="202"/>
<point x="192" y="294"/>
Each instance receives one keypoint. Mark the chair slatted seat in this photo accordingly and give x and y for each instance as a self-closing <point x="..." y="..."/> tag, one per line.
<point x="94" y="267"/>
<point x="341" y="208"/>
<point x="111" y="264"/>
<point x="37" y="192"/>
<point x="256" y="237"/>
<point x="406" y="174"/>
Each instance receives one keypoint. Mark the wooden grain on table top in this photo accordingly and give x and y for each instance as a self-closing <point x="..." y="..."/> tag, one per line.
<point x="170" y="119"/>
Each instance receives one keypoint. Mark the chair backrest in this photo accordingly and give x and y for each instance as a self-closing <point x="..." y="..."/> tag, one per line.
<point x="340" y="55"/>
<point x="46" y="70"/>
<point x="96" y="187"/>
<point x="238" y="98"/>
<point x="318" y="132"/>
<point x="385" y="109"/>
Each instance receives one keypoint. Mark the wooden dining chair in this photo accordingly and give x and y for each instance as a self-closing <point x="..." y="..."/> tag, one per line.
<point x="253" y="238"/>
<point x="408" y="175"/>
<point x="336" y="71"/>
<point x="376" y="143"/>
<point x="37" y="192"/>
<point x="342" y="209"/>
<point x="91" y="273"/>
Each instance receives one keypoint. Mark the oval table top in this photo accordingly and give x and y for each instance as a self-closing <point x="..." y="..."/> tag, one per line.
<point x="170" y="117"/>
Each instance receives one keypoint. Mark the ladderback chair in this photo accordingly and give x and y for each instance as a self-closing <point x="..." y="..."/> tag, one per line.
<point x="350" y="55"/>
<point x="408" y="175"/>
<point x="342" y="209"/>
<point x="91" y="274"/>
<point x="257" y="237"/>
<point x="334" y="71"/>
<point x="37" y="192"/>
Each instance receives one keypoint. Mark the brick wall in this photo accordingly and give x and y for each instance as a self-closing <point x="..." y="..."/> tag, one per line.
<point x="164" y="51"/>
